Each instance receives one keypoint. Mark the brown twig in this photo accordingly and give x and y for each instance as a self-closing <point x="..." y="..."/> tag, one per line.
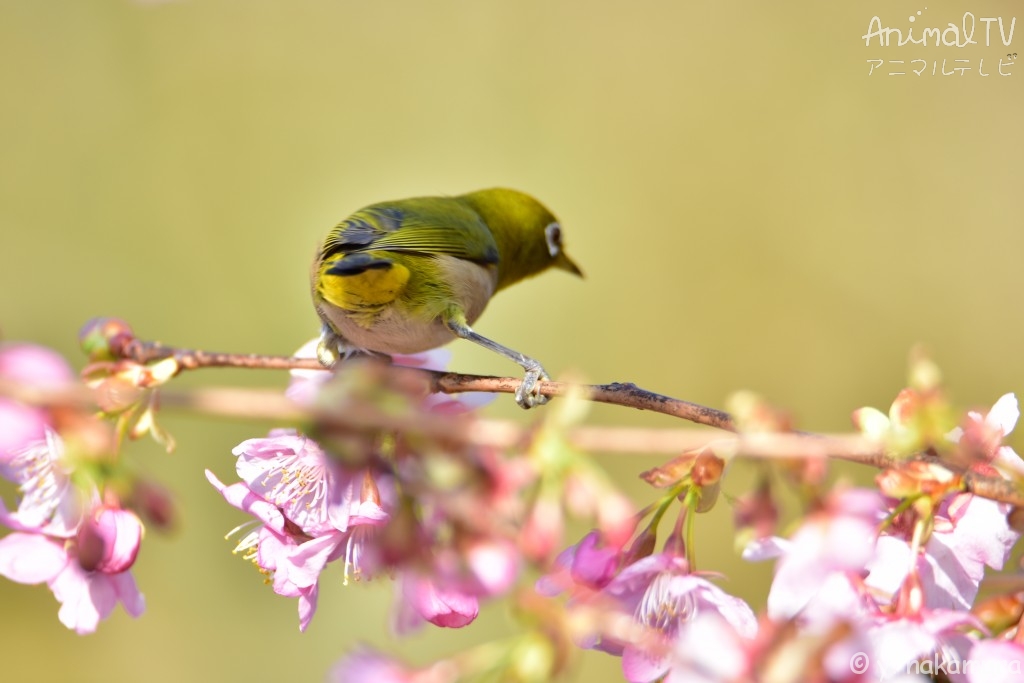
<point x="621" y="394"/>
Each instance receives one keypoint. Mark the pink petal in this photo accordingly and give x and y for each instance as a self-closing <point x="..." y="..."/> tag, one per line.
<point x="301" y="565"/>
<point x="34" y="364"/>
<point x="940" y="621"/>
<point x="241" y="497"/>
<point x="128" y="593"/>
<point x="424" y="601"/>
<point x="88" y="597"/>
<point x="558" y="579"/>
<point x="343" y="497"/>
<point x="594" y="564"/>
<point x="983" y="534"/>
<point x="20" y="425"/>
<point x="799" y="574"/>
<point x="837" y="603"/>
<point x="303" y="390"/>
<point x="850" y="543"/>
<point x="1008" y="461"/>
<point x="307" y="607"/>
<point x="31" y="558"/>
<point x="996" y="659"/>
<point x="642" y="666"/>
<point x="707" y="650"/>
<point x="306" y="383"/>
<point x="271" y="549"/>
<point x="890" y="566"/>
<point x="848" y="655"/>
<point x="637" y="576"/>
<point x="761" y="549"/>
<point x="369" y="666"/>
<point x="898" y="642"/>
<point x="495" y="565"/>
<point x="435" y="359"/>
<point x="1004" y="413"/>
<point x="457" y="405"/>
<point x="867" y="504"/>
<point x="949" y="581"/>
<point x="955" y="560"/>
<point x="712" y="599"/>
<point x="50" y="502"/>
<point x="85" y="598"/>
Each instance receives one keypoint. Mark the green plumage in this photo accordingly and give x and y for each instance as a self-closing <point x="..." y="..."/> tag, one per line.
<point x="423" y="226"/>
<point x="405" y="276"/>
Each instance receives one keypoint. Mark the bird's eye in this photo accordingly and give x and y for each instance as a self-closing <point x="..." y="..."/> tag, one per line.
<point x="553" y="234"/>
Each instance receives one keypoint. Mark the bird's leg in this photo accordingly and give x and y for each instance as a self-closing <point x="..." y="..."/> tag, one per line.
<point x="528" y="394"/>
<point x="330" y="347"/>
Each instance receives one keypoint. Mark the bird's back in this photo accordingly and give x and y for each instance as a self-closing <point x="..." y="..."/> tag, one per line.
<point x="389" y="272"/>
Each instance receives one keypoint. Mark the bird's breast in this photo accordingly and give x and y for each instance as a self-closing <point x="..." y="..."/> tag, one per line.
<point x="472" y="285"/>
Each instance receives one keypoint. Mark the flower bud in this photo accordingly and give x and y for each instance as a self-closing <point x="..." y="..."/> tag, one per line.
<point x="757" y="511"/>
<point x="109" y="540"/>
<point x="103" y="338"/>
<point x="155" y="504"/>
<point x="542" y="532"/>
<point x="642" y="546"/>
<point x="1000" y="612"/>
<point x="616" y="517"/>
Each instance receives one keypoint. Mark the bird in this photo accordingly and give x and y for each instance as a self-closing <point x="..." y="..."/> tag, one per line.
<point x="405" y="276"/>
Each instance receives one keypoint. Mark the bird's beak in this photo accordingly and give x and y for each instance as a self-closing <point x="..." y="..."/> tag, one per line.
<point x="566" y="264"/>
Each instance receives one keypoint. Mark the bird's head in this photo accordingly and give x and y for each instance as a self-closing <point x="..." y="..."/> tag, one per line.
<point x="529" y="237"/>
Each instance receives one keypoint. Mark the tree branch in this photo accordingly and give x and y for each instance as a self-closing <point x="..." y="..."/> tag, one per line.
<point x="622" y="394"/>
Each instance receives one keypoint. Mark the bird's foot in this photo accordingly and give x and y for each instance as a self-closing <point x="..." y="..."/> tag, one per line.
<point x="528" y="393"/>
<point x="333" y="348"/>
<point x="328" y="349"/>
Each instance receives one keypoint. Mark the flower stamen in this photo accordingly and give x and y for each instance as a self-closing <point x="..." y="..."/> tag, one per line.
<point x="663" y="606"/>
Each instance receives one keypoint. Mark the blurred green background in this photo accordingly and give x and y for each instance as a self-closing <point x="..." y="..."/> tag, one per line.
<point x="751" y="207"/>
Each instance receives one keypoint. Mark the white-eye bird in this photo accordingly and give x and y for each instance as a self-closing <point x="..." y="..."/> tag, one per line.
<point x="409" y="275"/>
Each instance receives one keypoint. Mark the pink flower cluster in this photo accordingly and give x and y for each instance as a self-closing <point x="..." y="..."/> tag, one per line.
<point x="892" y="596"/>
<point x="656" y="594"/>
<point x="64" y="532"/>
<point x="312" y="510"/>
<point x="862" y="590"/>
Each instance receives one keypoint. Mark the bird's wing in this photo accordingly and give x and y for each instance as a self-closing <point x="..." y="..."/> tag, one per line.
<point x="428" y="225"/>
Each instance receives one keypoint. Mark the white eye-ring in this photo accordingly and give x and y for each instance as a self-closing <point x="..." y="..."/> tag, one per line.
<point x="553" y="234"/>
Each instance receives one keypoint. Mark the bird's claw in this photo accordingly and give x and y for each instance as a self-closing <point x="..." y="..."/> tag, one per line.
<point x="333" y="348"/>
<point x="528" y="393"/>
<point x="328" y="348"/>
